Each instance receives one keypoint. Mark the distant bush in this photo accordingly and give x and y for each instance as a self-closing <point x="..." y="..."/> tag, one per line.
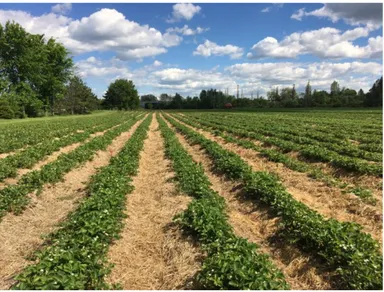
<point x="6" y="111"/>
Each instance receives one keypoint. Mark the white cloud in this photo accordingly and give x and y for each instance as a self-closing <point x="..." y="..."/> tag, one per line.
<point x="183" y="11"/>
<point x="190" y="81"/>
<point x="326" y="42"/>
<point x="187" y="31"/>
<point x="104" y="30"/>
<point x="210" y="48"/>
<point x="350" y="74"/>
<point x="157" y="63"/>
<point x="266" y="9"/>
<point x="369" y="14"/>
<point x="157" y="77"/>
<point x="104" y="69"/>
<point x="62" y="8"/>
<point x="299" y="14"/>
<point x="274" y="6"/>
<point x="262" y="76"/>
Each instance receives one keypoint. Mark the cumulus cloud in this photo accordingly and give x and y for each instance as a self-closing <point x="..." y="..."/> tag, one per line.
<point x="262" y="76"/>
<point x="369" y="14"/>
<point x="324" y="43"/>
<point x="320" y="73"/>
<point x="209" y="48"/>
<point x="183" y="11"/>
<point x="105" y="69"/>
<point x="62" y="8"/>
<point x="190" y="81"/>
<point x="104" y="30"/>
<point x="186" y="30"/>
<point x="157" y="63"/>
<point x="157" y="77"/>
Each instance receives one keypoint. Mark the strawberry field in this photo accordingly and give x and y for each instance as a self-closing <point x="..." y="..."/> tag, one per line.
<point x="192" y="200"/>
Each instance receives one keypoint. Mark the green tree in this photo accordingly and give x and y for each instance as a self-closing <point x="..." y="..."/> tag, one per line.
<point x="308" y="95"/>
<point x="289" y="97"/>
<point x="148" y="97"/>
<point x="121" y="94"/>
<point x="78" y="98"/>
<point x="335" y="88"/>
<point x="177" y="101"/>
<point x="34" y="68"/>
<point x="58" y="70"/>
<point x="374" y="96"/>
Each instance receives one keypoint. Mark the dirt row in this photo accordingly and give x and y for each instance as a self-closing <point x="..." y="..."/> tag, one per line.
<point x="254" y="223"/>
<point x="328" y="201"/>
<point x="21" y="235"/>
<point x="50" y="158"/>
<point x="152" y="253"/>
<point x="371" y="182"/>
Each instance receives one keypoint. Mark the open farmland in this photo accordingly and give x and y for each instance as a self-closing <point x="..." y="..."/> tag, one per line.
<point x="192" y="200"/>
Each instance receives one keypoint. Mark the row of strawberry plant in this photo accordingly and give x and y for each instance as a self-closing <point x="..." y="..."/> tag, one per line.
<point x="232" y="262"/>
<point x="312" y="152"/>
<point x="75" y="258"/>
<point x="14" y="198"/>
<point x="358" y="128"/>
<point x="31" y="155"/>
<point x="303" y="135"/>
<point x="21" y="133"/>
<point x="277" y="156"/>
<point x="354" y="255"/>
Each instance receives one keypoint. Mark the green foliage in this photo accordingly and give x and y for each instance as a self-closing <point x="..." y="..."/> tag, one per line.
<point x="76" y="257"/>
<point x="28" y="157"/>
<point x="6" y="111"/>
<point x="354" y="255"/>
<point x="121" y="94"/>
<point x="276" y="155"/>
<point x="321" y="145"/>
<point x="78" y="98"/>
<point x="36" y="69"/>
<point x="232" y="262"/>
<point x="375" y="94"/>
<point x="14" y="198"/>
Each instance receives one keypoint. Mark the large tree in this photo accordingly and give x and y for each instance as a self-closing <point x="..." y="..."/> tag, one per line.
<point x="78" y="98"/>
<point x="148" y="97"/>
<point x="121" y="94"/>
<point x="374" y="96"/>
<point x="32" y="67"/>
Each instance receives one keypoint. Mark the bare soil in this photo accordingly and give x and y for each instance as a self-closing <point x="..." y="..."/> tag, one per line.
<point x="152" y="253"/>
<point x="328" y="201"/>
<point x="254" y="223"/>
<point x="21" y="235"/>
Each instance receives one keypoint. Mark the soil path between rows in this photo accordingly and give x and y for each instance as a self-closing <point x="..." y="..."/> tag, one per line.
<point x="252" y="222"/>
<point x="20" y="235"/>
<point x="152" y="253"/>
<point x="328" y="201"/>
<point x="50" y="158"/>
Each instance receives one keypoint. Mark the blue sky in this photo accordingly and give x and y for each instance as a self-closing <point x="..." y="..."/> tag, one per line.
<point x="187" y="47"/>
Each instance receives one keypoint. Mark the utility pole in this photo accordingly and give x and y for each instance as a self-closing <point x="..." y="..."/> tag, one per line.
<point x="237" y="94"/>
<point x="242" y="95"/>
<point x="257" y="94"/>
<point x="252" y="94"/>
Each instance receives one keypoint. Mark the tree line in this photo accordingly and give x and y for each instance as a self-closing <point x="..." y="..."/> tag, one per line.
<point x="37" y="78"/>
<point x="286" y="97"/>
